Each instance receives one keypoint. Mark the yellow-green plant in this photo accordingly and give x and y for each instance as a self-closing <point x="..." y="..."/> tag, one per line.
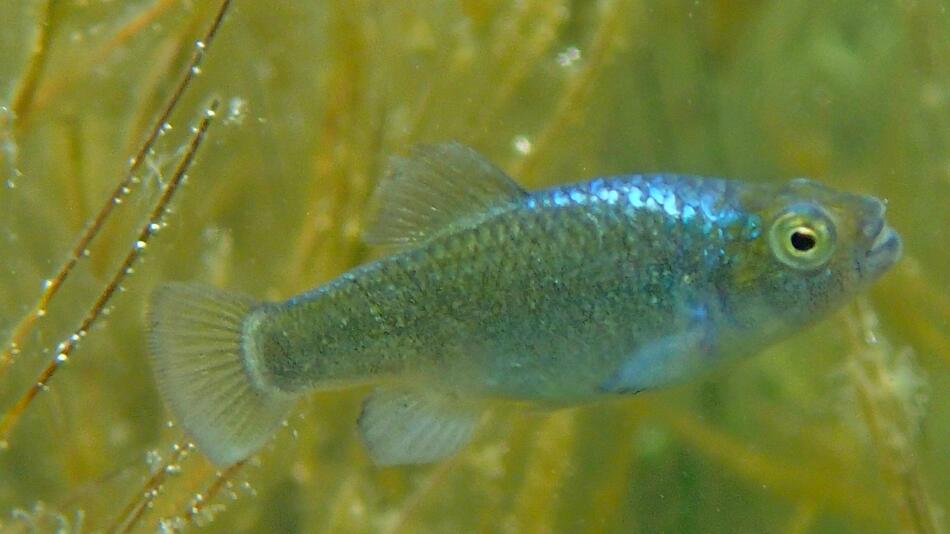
<point x="828" y="432"/>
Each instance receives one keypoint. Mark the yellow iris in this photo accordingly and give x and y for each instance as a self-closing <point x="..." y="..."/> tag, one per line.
<point x="803" y="237"/>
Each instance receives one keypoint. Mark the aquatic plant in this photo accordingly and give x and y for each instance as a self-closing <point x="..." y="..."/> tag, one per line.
<point x="827" y="432"/>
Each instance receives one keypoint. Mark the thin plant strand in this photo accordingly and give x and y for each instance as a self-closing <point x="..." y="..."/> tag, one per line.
<point x="201" y="501"/>
<point x="39" y="55"/>
<point x="79" y="251"/>
<point x="151" y="226"/>
<point x="11" y="122"/>
<point x="51" y="87"/>
<point x="889" y="425"/>
<point x="133" y="511"/>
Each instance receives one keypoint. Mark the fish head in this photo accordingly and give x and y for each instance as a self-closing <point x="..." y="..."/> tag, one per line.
<point x="818" y="248"/>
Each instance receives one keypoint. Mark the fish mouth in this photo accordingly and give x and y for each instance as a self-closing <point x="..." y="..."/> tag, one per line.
<point x="884" y="250"/>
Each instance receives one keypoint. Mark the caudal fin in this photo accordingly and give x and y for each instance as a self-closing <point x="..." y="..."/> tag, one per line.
<point x="195" y="339"/>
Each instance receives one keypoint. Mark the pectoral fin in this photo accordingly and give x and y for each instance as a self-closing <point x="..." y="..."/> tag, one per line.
<point x="407" y="426"/>
<point x="667" y="360"/>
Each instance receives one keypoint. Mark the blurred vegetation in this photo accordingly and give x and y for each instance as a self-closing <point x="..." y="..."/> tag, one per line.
<point x="842" y="429"/>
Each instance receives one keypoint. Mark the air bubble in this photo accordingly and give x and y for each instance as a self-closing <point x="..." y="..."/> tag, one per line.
<point x="171" y="525"/>
<point x="153" y="459"/>
<point x="569" y="57"/>
<point x="522" y="144"/>
<point x="206" y="515"/>
<point x="237" y="111"/>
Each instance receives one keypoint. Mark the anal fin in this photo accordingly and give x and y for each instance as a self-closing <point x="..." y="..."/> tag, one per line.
<point x="407" y="426"/>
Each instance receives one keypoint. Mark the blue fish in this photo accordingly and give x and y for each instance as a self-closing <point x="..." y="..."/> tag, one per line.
<point x="491" y="293"/>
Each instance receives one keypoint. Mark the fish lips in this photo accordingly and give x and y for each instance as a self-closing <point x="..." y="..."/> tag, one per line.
<point x="884" y="244"/>
<point x="883" y="252"/>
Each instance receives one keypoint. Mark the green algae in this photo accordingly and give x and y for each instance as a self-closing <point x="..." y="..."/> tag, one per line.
<point x="828" y="432"/>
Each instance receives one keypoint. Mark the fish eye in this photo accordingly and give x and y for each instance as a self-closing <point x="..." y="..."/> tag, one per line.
<point x="803" y="237"/>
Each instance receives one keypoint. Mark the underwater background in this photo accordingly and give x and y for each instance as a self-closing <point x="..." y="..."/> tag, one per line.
<point x="843" y="428"/>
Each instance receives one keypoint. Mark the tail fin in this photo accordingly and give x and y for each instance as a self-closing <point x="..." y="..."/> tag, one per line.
<point x="195" y="340"/>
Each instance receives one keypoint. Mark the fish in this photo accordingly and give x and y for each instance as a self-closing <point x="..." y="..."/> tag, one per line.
<point x="487" y="293"/>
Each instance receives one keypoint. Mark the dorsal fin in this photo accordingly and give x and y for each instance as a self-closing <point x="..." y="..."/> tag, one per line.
<point x="433" y="190"/>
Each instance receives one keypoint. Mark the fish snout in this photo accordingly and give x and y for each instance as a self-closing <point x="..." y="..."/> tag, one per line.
<point x="884" y="245"/>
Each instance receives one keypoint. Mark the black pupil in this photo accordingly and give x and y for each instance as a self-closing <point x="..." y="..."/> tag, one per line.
<point x="803" y="241"/>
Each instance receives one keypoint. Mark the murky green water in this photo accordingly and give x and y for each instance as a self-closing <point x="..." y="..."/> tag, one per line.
<point x="842" y="429"/>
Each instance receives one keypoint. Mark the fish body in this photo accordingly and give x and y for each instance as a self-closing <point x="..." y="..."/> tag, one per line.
<point x="491" y="293"/>
<point x="541" y="300"/>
